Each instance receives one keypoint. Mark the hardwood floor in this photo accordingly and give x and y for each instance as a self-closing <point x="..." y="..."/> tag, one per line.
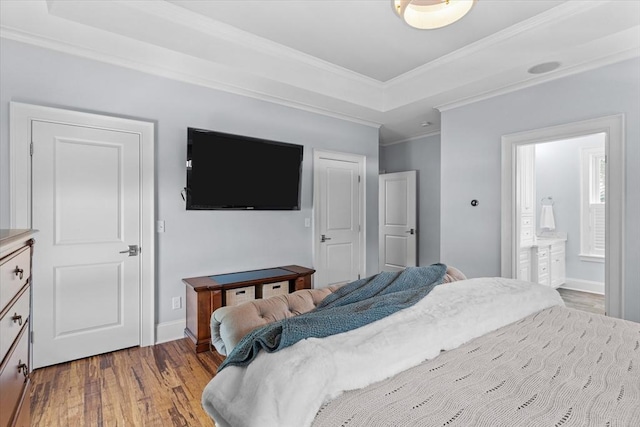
<point x="584" y="301"/>
<point x="149" y="386"/>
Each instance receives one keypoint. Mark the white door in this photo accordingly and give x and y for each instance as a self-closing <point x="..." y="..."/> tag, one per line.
<point x="338" y="216"/>
<point x="86" y="206"/>
<point x="397" y="219"/>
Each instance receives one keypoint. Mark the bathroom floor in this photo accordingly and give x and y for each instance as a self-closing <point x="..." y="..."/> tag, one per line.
<point x="584" y="301"/>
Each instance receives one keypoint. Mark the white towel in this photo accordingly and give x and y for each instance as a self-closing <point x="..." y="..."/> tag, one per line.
<point x="546" y="218"/>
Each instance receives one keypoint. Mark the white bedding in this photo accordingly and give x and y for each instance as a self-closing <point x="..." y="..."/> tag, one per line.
<point x="288" y="387"/>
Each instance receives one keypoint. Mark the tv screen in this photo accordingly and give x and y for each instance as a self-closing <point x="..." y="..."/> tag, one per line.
<point x="237" y="172"/>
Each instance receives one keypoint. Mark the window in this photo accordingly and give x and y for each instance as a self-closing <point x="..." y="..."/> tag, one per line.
<point x="593" y="199"/>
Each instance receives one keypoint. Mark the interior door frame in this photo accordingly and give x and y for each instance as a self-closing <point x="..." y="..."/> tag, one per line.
<point x="361" y="160"/>
<point x="21" y="117"/>
<point x="613" y="128"/>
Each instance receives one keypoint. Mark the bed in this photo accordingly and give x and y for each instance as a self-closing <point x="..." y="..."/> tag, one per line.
<point x="485" y="352"/>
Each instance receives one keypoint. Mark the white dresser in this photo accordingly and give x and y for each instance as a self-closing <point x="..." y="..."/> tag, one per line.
<point x="16" y="248"/>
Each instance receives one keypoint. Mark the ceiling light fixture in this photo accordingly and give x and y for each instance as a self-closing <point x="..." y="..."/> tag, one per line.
<point x="430" y="14"/>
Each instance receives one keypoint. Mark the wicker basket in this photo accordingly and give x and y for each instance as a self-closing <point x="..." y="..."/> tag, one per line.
<point x="240" y="295"/>
<point x="273" y="289"/>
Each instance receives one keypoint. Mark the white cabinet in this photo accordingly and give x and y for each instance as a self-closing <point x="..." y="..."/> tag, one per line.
<point x="525" y="210"/>
<point x="540" y="265"/>
<point x="547" y="262"/>
<point x="527" y="230"/>
<point x="524" y="264"/>
<point x="526" y="177"/>
<point x="558" y="264"/>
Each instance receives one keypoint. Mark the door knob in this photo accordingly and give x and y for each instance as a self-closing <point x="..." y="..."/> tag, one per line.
<point x="412" y="231"/>
<point x="324" y="238"/>
<point x="133" y="250"/>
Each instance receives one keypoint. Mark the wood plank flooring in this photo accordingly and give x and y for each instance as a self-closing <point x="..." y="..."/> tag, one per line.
<point x="584" y="301"/>
<point x="149" y="386"/>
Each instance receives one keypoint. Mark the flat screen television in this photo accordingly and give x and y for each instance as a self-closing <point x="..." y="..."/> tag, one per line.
<point x="227" y="171"/>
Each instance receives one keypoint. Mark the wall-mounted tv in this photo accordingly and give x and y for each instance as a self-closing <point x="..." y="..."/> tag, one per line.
<point x="227" y="171"/>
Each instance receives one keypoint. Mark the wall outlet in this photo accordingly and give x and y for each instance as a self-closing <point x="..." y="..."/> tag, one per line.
<point x="176" y="303"/>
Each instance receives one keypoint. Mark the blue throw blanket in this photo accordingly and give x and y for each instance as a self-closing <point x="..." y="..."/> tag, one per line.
<point x="352" y="306"/>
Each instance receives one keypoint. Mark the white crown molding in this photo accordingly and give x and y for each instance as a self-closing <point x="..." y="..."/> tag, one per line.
<point x="576" y="69"/>
<point x="57" y="45"/>
<point x="555" y="14"/>
<point x="413" y="138"/>
<point x="295" y="79"/>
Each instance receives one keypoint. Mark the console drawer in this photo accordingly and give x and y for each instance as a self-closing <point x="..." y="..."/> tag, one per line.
<point x="14" y="273"/>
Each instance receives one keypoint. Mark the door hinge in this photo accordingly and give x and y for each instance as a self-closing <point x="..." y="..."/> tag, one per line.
<point x="358" y="178"/>
<point x="31" y="149"/>
<point x="31" y="337"/>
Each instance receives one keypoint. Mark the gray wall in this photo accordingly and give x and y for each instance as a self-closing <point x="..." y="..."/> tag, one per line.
<point x="558" y="176"/>
<point x="422" y="155"/>
<point x="471" y="163"/>
<point x="195" y="243"/>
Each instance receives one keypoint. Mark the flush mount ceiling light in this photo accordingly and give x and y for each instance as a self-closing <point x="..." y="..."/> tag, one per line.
<point x="430" y="14"/>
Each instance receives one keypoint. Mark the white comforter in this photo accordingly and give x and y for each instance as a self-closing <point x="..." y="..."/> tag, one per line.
<point x="288" y="387"/>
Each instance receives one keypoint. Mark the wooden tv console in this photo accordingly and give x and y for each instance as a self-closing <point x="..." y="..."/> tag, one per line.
<point x="205" y="294"/>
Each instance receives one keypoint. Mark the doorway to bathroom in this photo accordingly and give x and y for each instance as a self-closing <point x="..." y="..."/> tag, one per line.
<point x="560" y="209"/>
<point x="523" y="206"/>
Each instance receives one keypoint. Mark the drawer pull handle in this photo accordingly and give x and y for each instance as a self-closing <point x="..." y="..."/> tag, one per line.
<point x="276" y="287"/>
<point x="23" y="368"/>
<point x="240" y="292"/>
<point x="18" y="272"/>
<point x="17" y="318"/>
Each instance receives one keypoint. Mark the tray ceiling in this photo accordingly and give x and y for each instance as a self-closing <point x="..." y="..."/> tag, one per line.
<point x="350" y="59"/>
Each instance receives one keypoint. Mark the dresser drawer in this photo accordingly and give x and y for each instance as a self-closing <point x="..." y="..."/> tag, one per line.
<point x="23" y="416"/>
<point x="14" y="273"/>
<point x="11" y="323"/>
<point x="543" y="269"/>
<point x="557" y="248"/>
<point x="13" y="381"/>
<point x="543" y="253"/>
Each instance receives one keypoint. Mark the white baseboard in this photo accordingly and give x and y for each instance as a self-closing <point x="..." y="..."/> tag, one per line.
<point x="170" y="331"/>
<point x="584" y="286"/>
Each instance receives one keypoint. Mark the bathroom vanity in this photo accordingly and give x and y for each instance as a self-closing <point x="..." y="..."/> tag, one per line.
<point x="543" y="262"/>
